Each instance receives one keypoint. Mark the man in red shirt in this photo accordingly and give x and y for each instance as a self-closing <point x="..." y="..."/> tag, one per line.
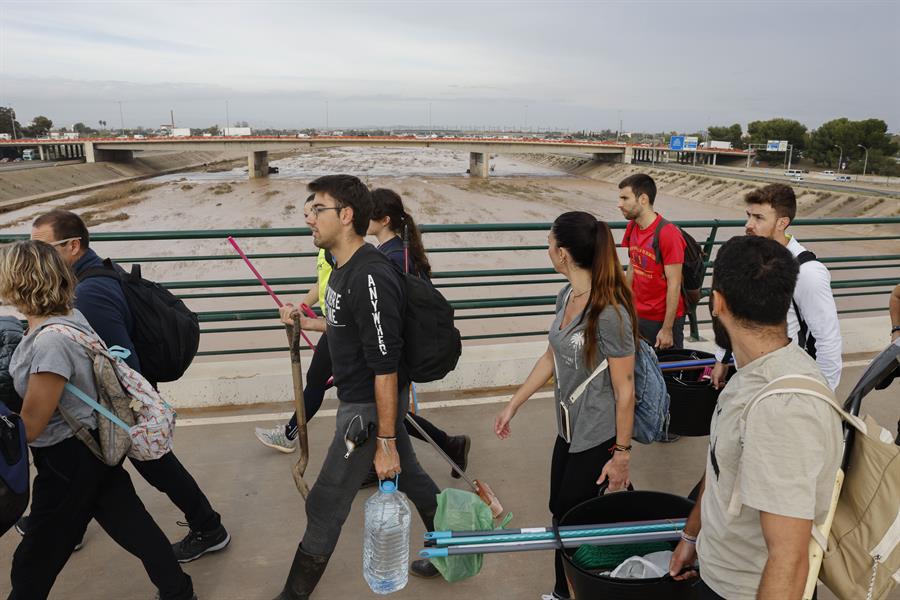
<point x="656" y="287"/>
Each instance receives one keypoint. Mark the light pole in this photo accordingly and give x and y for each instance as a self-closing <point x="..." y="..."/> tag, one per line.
<point x="840" y="158"/>
<point x="866" y="161"/>
<point x="12" y="119"/>
<point x="121" y="117"/>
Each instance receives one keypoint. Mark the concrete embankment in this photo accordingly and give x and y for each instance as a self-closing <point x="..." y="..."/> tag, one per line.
<point x="268" y="380"/>
<point x="723" y="190"/>
<point x="31" y="186"/>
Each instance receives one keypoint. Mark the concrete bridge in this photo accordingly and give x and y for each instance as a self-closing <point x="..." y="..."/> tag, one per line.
<point x="258" y="147"/>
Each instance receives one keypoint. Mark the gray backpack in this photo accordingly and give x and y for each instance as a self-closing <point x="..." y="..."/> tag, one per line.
<point x="651" y="408"/>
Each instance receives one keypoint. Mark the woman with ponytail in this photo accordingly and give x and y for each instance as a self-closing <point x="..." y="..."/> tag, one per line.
<point x="391" y="225"/>
<point x="591" y="352"/>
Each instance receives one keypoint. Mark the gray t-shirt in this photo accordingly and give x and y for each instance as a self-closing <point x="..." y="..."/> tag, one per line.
<point x="593" y="415"/>
<point x="54" y="353"/>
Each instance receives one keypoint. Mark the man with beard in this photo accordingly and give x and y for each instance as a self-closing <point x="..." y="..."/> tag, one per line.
<point x="656" y="287"/>
<point x="812" y="318"/>
<point x="774" y="449"/>
<point x="364" y="304"/>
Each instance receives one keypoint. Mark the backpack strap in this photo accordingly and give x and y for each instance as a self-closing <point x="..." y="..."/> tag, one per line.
<point x="803" y="333"/>
<point x="107" y="270"/>
<point x="626" y="238"/>
<point x="788" y="384"/>
<point x="656" y="249"/>
<point x="573" y="397"/>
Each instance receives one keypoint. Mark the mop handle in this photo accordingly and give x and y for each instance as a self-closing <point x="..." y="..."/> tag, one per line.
<point x="687" y="364"/>
<point x="609" y="540"/>
<point x="234" y="243"/>
<point x="434" y="445"/>
<point x="578" y="533"/>
<point x="439" y="536"/>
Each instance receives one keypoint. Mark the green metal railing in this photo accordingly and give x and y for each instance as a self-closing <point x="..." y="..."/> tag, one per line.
<point x="498" y="296"/>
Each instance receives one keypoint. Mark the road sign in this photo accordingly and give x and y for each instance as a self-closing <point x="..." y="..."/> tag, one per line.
<point x="690" y="143"/>
<point x="676" y="142"/>
<point x="772" y="145"/>
<point x="782" y="146"/>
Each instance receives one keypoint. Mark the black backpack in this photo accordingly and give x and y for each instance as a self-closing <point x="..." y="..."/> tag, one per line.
<point x="693" y="269"/>
<point x="166" y="334"/>
<point x="14" y="479"/>
<point x="431" y="343"/>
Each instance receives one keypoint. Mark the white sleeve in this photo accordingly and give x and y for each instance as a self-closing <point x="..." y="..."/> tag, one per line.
<point x="818" y="310"/>
<point x="720" y="353"/>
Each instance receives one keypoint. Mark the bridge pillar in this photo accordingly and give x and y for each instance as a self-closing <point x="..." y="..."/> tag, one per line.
<point x="479" y="164"/>
<point x="714" y="157"/>
<point x="93" y="154"/>
<point x="41" y="153"/>
<point x="628" y="155"/>
<point x="258" y="164"/>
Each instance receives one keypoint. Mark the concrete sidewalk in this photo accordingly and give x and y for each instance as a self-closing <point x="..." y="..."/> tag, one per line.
<point x="252" y="487"/>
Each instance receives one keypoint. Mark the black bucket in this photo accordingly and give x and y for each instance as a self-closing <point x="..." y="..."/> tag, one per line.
<point x="618" y="507"/>
<point x="692" y="400"/>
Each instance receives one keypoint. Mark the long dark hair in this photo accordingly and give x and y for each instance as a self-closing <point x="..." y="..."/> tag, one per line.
<point x="591" y="244"/>
<point x="387" y="203"/>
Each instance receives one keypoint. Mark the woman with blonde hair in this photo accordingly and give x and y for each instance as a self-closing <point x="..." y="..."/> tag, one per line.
<point x="591" y="354"/>
<point x="72" y="486"/>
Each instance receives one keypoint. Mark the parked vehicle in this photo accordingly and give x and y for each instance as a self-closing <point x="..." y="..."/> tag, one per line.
<point x="29" y="154"/>
<point x="793" y="173"/>
<point x="827" y="172"/>
<point x="842" y="178"/>
<point x="797" y="178"/>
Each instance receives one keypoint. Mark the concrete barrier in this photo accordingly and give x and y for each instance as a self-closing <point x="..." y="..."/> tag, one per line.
<point x="267" y="380"/>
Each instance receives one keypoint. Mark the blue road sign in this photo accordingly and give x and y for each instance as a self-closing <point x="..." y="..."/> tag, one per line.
<point x="772" y="145"/>
<point x="676" y="142"/>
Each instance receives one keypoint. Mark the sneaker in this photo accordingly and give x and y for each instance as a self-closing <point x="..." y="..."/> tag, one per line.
<point x="197" y="543"/>
<point x="276" y="439"/>
<point x="668" y="438"/>
<point x="458" y="449"/>
<point x="554" y="596"/>
<point x="424" y="569"/>
<point x="22" y="527"/>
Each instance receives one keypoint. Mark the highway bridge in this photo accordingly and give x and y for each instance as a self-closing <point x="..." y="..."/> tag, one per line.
<point x="257" y="148"/>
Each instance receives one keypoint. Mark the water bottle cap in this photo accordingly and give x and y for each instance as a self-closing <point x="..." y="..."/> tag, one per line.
<point x="387" y="486"/>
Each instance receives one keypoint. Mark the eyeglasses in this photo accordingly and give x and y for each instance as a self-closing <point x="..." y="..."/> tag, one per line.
<point x="65" y="241"/>
<point x="315" y="209"/>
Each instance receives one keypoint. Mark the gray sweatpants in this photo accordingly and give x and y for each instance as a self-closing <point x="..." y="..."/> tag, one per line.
<point x="332" y="495"/>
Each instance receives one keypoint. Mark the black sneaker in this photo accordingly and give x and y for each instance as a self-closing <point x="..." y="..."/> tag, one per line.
<point x="458" y="449"/>
<point x="424" y="569"/>
<point x="197" y="543"/>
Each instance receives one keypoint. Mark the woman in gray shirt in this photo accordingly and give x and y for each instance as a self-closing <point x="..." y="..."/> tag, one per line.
<point x="72" y="486"/>
<point x="591" y="354"/>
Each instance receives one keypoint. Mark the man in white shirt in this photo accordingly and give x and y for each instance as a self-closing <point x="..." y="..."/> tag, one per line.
<point x="770" y="210"/>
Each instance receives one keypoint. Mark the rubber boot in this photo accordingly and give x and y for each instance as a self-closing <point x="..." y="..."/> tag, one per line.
<point x="423" y="567"/>
<point x="305" y="573"/>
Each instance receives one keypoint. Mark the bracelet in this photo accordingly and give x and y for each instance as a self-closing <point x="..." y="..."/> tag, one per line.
<point x="690" y="539"/>
<point x="620" y="448"/>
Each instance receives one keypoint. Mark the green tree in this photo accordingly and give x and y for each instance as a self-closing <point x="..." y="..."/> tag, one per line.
<point x="842" y="138"/>
<point x="39" y="127"/>
<point x="777" y="129"/>
<point x="82" y="129"/>
<point x="732" y="134"/>
<point x="8" y="121"/>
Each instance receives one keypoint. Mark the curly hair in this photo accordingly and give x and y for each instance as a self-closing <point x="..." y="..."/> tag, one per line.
<point x="36" y="280"/>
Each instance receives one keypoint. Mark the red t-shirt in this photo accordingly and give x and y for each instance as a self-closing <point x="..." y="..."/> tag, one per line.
<point x="649" y="283"/>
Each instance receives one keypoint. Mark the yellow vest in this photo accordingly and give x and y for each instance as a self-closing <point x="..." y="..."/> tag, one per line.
<point x="323" y="272"/>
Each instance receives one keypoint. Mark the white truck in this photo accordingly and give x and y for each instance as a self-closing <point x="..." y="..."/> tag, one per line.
<point x="236" y="131"/>
<point x="714" y="145"/>
<point x="181" y="132"/>
<point x="29" y="154"/>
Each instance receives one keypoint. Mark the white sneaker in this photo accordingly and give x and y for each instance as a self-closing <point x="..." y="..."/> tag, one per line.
<point x="276" y="439"/>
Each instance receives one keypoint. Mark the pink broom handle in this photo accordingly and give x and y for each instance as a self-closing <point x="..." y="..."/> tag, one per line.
<point x="265" y="285"/>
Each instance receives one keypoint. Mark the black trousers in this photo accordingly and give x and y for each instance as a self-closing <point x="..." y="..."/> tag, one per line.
<point x="169" y="476"/>
<point x="71" y="488"/>
<point x="648" y="330"/>
<point x="573" y="479"/>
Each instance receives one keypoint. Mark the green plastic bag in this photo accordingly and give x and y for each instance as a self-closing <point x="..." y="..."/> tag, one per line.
<point x="459" y="510"/>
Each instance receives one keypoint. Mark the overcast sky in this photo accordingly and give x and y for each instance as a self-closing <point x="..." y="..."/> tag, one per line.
<point x="670" y="65"/>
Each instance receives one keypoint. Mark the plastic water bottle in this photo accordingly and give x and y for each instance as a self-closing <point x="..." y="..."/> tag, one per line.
<point x="386" y="543"/>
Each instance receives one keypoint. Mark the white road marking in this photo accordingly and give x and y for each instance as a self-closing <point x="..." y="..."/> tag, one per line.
<point x="284" y="416"/>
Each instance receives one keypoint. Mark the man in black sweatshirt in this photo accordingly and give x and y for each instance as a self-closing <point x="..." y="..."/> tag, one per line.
<point x="364" y="307"/>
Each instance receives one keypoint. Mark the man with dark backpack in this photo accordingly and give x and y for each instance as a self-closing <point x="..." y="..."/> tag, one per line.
<point x="665" y="267"/>
<point x="117" y="306"/>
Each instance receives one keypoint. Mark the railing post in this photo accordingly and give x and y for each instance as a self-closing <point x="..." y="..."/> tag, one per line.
<point x="707" y="251"/>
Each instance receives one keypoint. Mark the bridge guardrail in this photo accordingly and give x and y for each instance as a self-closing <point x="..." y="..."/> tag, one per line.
<point x="538" y="283"/>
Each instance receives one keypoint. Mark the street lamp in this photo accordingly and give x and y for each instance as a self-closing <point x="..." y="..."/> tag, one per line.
<point x="866" y="161"/>
<point x="841" y="158"/>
